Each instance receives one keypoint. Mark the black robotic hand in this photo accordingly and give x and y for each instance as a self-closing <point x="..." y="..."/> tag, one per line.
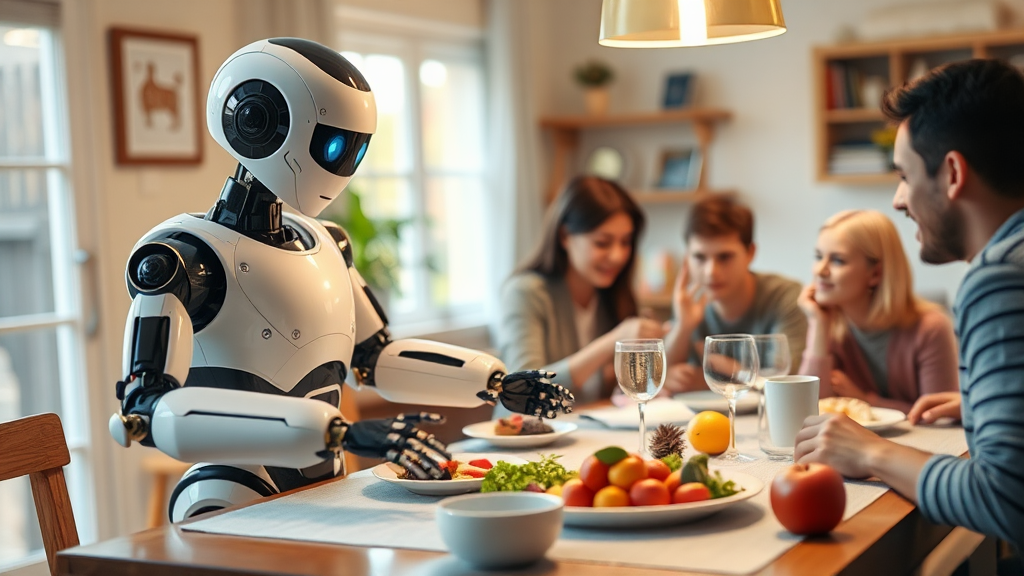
<point x="398" y="441"/>
<point x="529" y="392"/>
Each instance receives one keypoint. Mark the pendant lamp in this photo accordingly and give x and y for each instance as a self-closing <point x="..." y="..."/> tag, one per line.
<point x="675" y="23"/>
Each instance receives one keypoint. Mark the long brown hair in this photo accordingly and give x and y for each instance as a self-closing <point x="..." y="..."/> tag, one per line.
<point x="585" y="204"/>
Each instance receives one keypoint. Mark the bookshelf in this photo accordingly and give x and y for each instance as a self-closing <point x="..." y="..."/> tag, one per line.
<point x="847" y="78"/>
<point x="565" y="134"/>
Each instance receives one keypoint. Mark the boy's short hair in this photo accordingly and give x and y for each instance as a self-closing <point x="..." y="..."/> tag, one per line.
<point x="720" y="216"/>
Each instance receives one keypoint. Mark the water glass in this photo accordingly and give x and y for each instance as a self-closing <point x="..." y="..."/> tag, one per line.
<point x="730" y="369"/>
<point x="640" y="371"/>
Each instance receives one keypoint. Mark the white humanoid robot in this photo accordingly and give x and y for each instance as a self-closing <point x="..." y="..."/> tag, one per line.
<point x="246" y="320"/>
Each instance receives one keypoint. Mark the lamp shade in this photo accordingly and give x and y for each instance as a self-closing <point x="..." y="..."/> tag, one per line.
<point x="675" y="23"/>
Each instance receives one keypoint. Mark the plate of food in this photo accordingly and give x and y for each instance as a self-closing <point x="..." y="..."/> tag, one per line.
<point x="871" y="417"/>
<point x="665" y="514"/>
<point x="468" y="476"/>
<point x="518" y="431"/>
<point x="702" y="400"/>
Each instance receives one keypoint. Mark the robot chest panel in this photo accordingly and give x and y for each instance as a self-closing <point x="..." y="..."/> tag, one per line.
<point x="302" y="295"/>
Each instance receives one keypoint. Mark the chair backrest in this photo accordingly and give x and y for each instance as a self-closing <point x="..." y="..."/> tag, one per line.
<point x="35" y="446"/>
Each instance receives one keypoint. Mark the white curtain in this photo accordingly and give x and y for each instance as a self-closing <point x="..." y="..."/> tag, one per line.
<point x="515" y="142"/>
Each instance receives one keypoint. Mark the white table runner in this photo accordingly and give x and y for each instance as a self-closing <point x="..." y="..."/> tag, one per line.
<point x="363" y="511"/>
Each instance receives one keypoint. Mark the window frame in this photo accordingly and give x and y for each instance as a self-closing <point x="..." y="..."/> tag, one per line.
<point x="72" y="330"/>
<point x="414" y="41"/>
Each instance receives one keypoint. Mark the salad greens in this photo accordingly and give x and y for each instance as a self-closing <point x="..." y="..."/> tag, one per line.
<point x="674" y="461"/>
<point x="545" y="473"/>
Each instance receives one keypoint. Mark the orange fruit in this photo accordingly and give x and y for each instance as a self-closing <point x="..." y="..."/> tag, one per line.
<point x="594" y="473"/>
<point x="610" y="496"/>
<point x="649" y="492"/>
<point x="673" y="481"/>
<point x="657" y="469"/>
<point x="708" y="432"/>
<point x="554" y="490"/>
<point x="691" y="492"/>
<point x="575" y="493"/>
<point x="627" y="471"/>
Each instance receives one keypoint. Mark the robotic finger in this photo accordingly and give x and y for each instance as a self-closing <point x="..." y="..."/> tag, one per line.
<point x="399" y="442"/>
<point x="427" y="417"/>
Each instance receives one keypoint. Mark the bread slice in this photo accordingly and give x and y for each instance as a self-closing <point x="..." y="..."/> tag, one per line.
<point x="858" y="410"/>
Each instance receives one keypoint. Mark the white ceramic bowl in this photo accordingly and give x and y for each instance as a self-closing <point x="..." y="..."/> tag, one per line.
<point x="500" y="529"/>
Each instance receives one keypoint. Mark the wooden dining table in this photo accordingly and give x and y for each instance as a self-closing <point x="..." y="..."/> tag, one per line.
<point x="889" y="536"/>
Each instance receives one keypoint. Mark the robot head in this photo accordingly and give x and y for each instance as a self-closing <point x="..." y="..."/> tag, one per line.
<point x="296" y="114"/>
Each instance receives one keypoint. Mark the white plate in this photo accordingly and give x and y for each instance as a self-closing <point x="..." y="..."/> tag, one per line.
<point x="647" y="516"/>
<point x="885" y="418"/>
<point x="444" y="487"/>
<point x="485" y="430"/>
<point x="707" y="400"/>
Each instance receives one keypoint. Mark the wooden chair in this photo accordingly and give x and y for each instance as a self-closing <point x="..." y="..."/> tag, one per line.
<point x="35" y="446"/>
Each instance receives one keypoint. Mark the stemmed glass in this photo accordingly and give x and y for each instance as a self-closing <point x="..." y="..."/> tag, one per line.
<point x="730" y="369"/>
<point x="640" y="370"/>
<point x="773" y="360"/>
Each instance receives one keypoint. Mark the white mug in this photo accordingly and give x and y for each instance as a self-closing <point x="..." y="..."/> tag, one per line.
<point x="789" y="400"/>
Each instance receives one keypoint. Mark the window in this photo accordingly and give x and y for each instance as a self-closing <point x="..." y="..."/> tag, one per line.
<point x="41" y="332"/>
<point x="425" y="167"/>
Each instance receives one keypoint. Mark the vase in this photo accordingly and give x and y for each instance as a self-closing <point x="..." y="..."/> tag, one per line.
<point x="596" y="101"/>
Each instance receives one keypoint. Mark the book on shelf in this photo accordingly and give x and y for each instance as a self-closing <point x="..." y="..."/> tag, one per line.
<point x="844" y="85"/>
<point x="857" y="158"/>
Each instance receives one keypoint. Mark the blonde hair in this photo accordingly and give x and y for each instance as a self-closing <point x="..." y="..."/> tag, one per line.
<point x="893" y="303"/>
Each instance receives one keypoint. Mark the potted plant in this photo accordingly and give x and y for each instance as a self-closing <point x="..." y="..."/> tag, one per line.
<point x="595" y="76"/>
<point x="374" y="247"/>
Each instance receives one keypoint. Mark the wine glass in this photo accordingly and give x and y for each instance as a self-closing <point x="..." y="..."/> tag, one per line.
<point x="730" y="369"/>
<point x="773" y="359"/>
<point x="640" y="370"/>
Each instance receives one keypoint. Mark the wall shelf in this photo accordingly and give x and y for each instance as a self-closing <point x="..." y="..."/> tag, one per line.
<point x="565" y="133"/>
<point x="845" y="122"/>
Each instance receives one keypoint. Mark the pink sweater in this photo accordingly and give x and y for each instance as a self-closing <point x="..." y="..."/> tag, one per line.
<point x="922" y="359"/>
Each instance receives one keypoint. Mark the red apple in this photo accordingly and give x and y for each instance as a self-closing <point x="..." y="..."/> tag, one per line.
<point x="808" y="498"/>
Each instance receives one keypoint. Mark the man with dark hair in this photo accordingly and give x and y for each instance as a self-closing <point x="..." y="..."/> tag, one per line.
<point x="960" y="156"/>
<point x="716" y="292"/>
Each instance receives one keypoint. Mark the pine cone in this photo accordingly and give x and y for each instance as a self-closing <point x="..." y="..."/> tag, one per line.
<point x="667" y="439"/>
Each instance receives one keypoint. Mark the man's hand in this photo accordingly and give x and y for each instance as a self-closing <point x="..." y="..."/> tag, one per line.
<point x="684" y="377"/>
<point x="688" y="302"/>
<point x="843" y="386"/>
<point x="931" y="407"/>
<point x="838" y="441"/>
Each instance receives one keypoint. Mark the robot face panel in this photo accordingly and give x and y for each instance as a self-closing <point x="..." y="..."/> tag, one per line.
<point x="297" y="115"/>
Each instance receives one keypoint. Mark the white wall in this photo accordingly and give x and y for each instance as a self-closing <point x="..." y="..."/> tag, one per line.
<point x="766" y="152"/>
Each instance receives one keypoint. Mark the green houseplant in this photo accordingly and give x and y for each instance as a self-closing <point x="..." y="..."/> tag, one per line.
<point x="374" y="245"/>
<point x="595" y="76"/>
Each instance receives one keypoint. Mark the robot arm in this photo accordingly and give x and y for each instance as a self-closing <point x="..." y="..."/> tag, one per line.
<point x="424" y="372"/>
<point x="236" y="427"/>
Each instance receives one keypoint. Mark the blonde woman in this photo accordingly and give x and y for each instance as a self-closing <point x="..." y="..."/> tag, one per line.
<point x="868" y="336"/>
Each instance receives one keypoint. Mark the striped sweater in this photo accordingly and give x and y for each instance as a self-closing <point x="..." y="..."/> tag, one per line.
<point x="986" y="492"/>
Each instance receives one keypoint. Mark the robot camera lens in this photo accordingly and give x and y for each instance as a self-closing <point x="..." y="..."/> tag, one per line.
<point x="253" y="120"/>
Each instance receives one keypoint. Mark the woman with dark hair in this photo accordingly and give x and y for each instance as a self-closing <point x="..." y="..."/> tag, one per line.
<point x="565" y="308"/>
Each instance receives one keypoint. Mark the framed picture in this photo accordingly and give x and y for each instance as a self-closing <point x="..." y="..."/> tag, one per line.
<point x="156" y="97"/>
<point x="680" y="169"/>
<point x="679" y="90"/>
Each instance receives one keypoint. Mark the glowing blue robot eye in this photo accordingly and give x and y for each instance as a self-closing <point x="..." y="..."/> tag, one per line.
<point x="334" y="148"/>
<point x="361" y="153"/>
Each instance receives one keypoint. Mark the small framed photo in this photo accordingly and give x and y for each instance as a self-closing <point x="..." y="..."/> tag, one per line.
<point x="680" y="169"/>
<point x="156" y="97"/>
<point x="679" y="90"/>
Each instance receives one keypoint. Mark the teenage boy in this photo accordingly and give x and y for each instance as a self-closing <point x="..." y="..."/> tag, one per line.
<point x="960" y="156"/>
<point x="716" y="293"/>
